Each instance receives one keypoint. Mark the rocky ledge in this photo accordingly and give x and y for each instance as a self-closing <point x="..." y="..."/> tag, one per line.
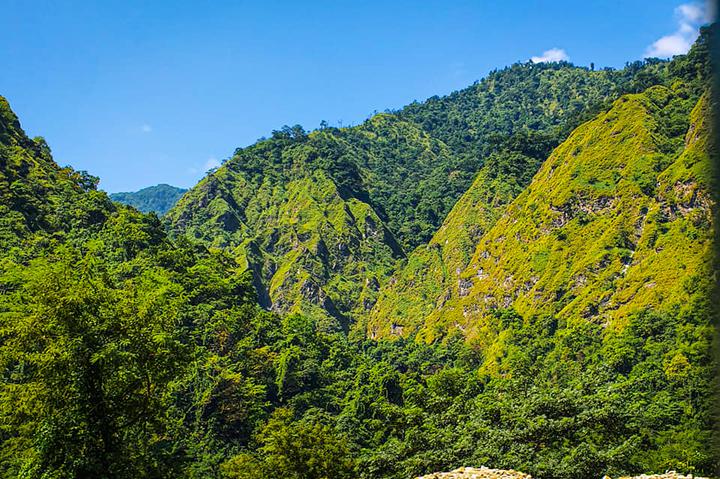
<point x="667" y="475"/>
<point x="487" y="473"/>
<point x="477" y="473"/>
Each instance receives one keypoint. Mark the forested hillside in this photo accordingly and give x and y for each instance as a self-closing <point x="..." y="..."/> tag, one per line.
<point x="406" y="170"/>
<point x="289" y="318"/>
<point x="158" y="198"/>
<point x="108" y="330"/>
<point x="622" y="153"/>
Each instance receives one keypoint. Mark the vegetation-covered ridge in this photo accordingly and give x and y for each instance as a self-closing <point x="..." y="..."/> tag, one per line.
<point x="618" y="219"/>
<point x="37" y="197"/>
<point x="158" y="198"/>
<point x="405" y="170"/>
<point x="126" y="352"/>
<point x="429" y="283"/>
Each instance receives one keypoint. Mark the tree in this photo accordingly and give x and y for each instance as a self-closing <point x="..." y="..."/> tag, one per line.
<point x="86" y="360"/>
<point x="294" y="450"/>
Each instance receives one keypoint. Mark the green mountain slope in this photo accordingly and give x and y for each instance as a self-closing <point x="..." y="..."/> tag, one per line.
<point x="526" y="96"/>
<point x="616" y="220"/>
<point x="301" y="223"/>
<point x="107" y="328"/>
<point x="404" y="179"/>
<point x="37" y="197"/>
<point x="425" y="282"/>
<point x="158" y="198"/>
<point x="421" y="283"/>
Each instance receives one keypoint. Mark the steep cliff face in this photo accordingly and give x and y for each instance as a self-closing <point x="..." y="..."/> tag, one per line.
<point x="616" y="220"/>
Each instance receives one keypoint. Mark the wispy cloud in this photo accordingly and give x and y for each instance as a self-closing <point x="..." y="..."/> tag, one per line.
<point x="209" y="164"/>
<point x="552" y="55"/>
<point x="690" y="16"/>
<point x="212" y="163"/>
<point x="146" y="128"/>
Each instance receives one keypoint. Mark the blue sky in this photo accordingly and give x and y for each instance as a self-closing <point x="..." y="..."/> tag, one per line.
<point x="147" y="92"/>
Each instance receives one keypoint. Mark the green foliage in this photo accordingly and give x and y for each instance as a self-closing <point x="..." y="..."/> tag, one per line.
<point x="579" y="241"/>
<point x="88" y="359"/>
<point x="127" y="353"/>
<point x="294" y="450"/>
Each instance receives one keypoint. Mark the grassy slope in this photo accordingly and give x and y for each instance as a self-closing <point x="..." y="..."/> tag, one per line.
<point x="405" y="180"/>
<point x="616" y="220"/>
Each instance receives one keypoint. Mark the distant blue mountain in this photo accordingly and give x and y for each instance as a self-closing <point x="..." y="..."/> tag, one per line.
<point x="158" y="198"/>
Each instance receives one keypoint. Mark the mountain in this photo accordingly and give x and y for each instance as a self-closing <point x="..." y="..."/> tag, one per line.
<point x="436" y="273"/>
<point x="38" y="197"/>
<point x="617" y="220"/>
<point x="556" y="322"/>
<point x="158" y="198"/>
<point x="321" y="218"/>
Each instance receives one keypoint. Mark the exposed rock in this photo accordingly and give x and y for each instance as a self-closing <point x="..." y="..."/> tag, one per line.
<point x="667" y="475"/>
<point x="487" y="473"/>
<point x="477" y="473"/>
<point x="464" y="286"/>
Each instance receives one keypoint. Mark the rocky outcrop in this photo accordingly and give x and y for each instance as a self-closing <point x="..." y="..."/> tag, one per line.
<point x="667" y="475"/>
<point x="477" y="473"/>
<point x="487" y="473"/>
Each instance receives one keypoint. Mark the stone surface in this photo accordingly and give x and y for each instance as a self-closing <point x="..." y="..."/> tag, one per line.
<point x="477" y="473"/>
<point x="487" y="473"/>
<point x="667" y="475"/>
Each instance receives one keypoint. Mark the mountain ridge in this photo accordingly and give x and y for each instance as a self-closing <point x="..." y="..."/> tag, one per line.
<point x="409" y="178"/>
<point x="434" y="273"/>
<point x="158" y="198"/>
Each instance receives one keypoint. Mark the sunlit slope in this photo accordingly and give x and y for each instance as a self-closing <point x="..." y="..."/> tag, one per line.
<point x="423" y="283"/>
<point x="38" y="197"/>
<point x="406" y="170"/>
<point x="616" y="220"/>
<point x="304" y="227"/>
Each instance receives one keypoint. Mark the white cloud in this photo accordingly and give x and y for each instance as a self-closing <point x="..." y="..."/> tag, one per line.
<point x="690" y="16"/>
<point x="670" y="45"/>
<point x="552" y="55"/>
<point x="211" y="163"/>
<point x="146" y="128"/>
<point x="691" y="12"/>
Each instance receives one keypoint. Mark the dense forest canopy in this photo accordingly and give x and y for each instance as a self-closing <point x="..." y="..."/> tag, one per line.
<point x="319" y="307"/>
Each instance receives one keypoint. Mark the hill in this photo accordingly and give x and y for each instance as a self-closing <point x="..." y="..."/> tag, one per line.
<point x="436" y="273"/>
<point x="158" y="198"/>
<point x="321" y="218"/>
